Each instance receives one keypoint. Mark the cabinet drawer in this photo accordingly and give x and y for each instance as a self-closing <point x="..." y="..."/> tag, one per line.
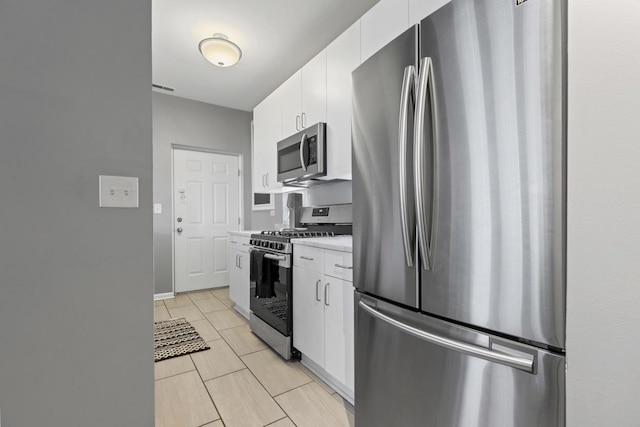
<point x="338" y="264"/>
<point x="308" y="257"/>
<point x="239" y="242"/>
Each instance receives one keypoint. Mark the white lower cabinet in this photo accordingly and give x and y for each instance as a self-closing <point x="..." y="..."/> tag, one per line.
<point x="308" y="313"/>
<point x="338" y="330"/>
<point x="239" y="273"/>
<point x="323" y="318"/>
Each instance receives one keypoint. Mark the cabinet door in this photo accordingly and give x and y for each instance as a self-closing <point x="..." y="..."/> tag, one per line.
<point x="381" y="24"/>
<point x="343" y="56"/>
<point x="243" y="284"/>
<point x="291" y="106"/>
<point x="314" y="90"/>
<point x="420" y="9"/>
<point x="260" y="146"/>
<point x="348" y="328"/>
<point x="274" y="115"/>
<point x="335" y="352"/>
<point x="235" y="280"/>
<point x="308" y="313"/>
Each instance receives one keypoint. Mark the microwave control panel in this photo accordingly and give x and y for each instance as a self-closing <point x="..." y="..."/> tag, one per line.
<point x="320" y="212"/>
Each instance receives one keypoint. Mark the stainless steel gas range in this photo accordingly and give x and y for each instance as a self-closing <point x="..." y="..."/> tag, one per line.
<point x="271" y="262"/>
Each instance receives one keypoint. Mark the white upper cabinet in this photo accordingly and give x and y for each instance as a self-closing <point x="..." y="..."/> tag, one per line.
<point x="314" y="91"/>
<point x="420" y="9"/>
<point x="343" y="56"/>
<point x="383" y="23"/>
<point x="266" y="134"/>
<point x="304" y="101"/>
<point x="291" y="105"/>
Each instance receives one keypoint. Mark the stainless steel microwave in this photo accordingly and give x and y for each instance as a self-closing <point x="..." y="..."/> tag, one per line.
<point x="303" y="156"/>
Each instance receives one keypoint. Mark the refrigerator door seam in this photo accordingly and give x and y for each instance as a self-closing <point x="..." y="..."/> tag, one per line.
<point x="425" y="80"/>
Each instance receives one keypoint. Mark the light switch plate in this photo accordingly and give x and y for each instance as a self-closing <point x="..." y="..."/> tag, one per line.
<point x="118" y="191"/>
<point x="157" y="208"/>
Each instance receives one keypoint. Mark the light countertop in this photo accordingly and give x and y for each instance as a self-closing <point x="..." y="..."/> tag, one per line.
<point x="244" y="232"/>
<point x="336" y="243"/>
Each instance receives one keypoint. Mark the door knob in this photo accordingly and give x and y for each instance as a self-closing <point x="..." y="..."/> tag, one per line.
<point x="179" y="230"/>
<point x="179" y="219"/>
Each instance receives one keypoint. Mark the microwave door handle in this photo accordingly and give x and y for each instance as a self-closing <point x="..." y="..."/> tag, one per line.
<point x="303" y="142"/>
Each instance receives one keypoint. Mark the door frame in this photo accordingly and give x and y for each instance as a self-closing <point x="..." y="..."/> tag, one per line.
<point x="173" y="203"/>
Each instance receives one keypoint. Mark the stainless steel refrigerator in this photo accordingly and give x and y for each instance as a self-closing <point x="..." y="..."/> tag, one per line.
<point x="459" y="206"/>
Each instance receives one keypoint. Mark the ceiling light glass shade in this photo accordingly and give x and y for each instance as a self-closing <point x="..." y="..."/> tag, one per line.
<point x="220" y="51"/>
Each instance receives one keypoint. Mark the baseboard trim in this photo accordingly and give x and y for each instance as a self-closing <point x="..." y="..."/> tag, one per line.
<point x="166" y="295"/>
<point x="340" y="388"/>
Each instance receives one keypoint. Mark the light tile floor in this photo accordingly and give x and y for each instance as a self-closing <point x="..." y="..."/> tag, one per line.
<point x="239" y="381"/>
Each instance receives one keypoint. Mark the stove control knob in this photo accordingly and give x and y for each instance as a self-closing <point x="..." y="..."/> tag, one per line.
<point x="280" y="246"/>
<point x="265" y="244"/>
<point x="251" y="242"/>
<point x="273" y="245"/>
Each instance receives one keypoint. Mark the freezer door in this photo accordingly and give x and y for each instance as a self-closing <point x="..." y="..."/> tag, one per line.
<point x="382" y="143"/>
<point x="414" y="370"/>
<point x="498" y="233"/>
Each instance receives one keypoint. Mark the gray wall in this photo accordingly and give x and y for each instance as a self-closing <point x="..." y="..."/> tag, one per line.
<point x="76" y="291"/>
<point x="199" y="125"/>
<point x="603" y="263"/>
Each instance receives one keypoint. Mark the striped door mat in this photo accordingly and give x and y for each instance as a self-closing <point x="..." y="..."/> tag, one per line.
<point x="176" y="337"/>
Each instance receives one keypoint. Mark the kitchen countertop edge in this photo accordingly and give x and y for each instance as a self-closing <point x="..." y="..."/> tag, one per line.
<point x="244" y="232"/>
<point x="335" y="243"/>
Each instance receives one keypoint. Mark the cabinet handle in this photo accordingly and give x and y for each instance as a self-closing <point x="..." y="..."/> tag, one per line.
<point x="346" y="267"/>
<point x="298" y="122"/>
<point x="246" y="244"/>
<point x="303" y="121"/>
<point x="233" y="241"/>
<point x="326" y="294"/>
<point x="267" y="179"/>
<point x="317" y="289"/>
<point x="239" y="261"/>
<point x="263" y="184"/>
<point x="304" y="257"/>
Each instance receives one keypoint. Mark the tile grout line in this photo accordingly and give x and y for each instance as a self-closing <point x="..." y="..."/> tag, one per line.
<point x="248" y="369"/>
<point x="284" y="418"/>
<point x="208" y="393"/>
<point x="256" y="378"/>
<point x="175" y="375"/>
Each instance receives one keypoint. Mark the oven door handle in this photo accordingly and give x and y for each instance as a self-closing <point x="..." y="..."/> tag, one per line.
<point x="275" y="257"/>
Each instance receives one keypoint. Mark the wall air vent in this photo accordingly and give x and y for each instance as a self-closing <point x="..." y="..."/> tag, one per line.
<point x="167" y="88"/>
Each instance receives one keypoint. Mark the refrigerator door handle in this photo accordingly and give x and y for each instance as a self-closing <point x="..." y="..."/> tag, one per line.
<point x="407" y="92"/>
<point x="425" y="81"/>
<point x="516" y="362"/>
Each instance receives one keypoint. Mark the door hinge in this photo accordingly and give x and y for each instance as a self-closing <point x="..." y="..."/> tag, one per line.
<point x="238" y="220"/>
<point x="239" y="172"/>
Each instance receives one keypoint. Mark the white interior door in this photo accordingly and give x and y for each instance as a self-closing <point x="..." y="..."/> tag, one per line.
<point x="206" y="207"/>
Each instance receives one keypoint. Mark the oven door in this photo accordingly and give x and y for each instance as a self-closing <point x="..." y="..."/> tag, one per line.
<point x="277" y="310"/>
<point x="303" y="156"/>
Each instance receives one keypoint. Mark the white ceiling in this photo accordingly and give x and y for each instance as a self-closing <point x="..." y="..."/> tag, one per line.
<point x="277" y="37"/>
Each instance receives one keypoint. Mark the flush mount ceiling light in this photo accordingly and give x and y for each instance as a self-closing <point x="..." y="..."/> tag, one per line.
<point x="220" y="51"/>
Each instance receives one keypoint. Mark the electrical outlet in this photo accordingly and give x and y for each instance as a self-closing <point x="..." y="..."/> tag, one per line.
<point x="273" y="213"/>
<point x="118" y="191"/>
